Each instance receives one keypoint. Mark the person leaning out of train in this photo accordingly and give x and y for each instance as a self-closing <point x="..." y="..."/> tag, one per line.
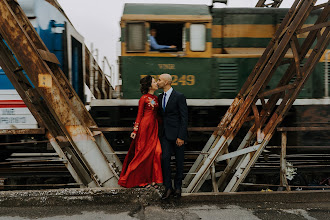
<point x="154" y="46"/>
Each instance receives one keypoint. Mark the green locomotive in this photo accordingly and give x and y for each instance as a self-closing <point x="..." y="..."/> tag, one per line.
<point x="217" y="48"/>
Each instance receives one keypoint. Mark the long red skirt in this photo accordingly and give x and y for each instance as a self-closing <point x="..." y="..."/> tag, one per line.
<point x="142" y="164"/>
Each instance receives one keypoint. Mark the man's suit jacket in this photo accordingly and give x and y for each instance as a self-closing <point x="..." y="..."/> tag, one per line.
<point x="175" y="117"/>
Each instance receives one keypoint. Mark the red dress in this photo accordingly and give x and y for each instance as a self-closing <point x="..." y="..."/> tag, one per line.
<point x="142" y="164"/>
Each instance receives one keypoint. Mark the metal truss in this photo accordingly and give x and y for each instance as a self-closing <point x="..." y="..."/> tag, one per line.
<point x="262" y="121"/>
<point x="273" y="4"/>
<point x="53" y="102"/>
<point x="96" y="79"/>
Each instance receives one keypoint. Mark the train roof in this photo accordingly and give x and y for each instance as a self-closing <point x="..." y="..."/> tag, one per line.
<point x="237" y="15"/>
<point x="161" y="12"/>
<point x="58" y="7"/>
<point x="255" y="10"/>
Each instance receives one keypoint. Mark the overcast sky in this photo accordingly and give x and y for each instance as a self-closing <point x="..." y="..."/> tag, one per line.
<point x="98" y="20"/>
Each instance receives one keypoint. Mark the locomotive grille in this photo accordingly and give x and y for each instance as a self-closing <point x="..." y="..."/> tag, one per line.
<point x="228" y="77"/>
<point x="327" y="75"/>
<point x="328" y="72"/>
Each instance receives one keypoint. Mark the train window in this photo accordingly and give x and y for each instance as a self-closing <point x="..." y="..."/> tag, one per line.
<point x="135" y="37"/>
<point x="77" y="75"/>
<point x="197" y="37"/>
<point x="168" y="34"/>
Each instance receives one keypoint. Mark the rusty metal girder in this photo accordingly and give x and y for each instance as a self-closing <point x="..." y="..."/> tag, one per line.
<point x="40" y="111"/>
<point x="23" y="143"/>
<point x="268" y="118"/>
<point x="131" y="129"/>
<point x="92" y="160"/>
<point x="289" y="98"/>
<point x="22" y="131"/>
<point x="273" y="4"/>
<point x="325" y="128"/>
<point x="96" y="79"/>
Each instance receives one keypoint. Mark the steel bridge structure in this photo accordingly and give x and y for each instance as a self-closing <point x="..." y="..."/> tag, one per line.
<point x="88" y="155"/>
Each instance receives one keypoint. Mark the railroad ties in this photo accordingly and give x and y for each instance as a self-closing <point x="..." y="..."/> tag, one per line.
<point x="55" y="105"/>
<point x="264" y="120"/>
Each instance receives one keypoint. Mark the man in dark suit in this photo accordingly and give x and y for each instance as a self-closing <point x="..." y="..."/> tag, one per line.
<point x="173" y="133"/>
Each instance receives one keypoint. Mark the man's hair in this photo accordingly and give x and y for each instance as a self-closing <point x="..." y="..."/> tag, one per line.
<point x="167" y="77"/>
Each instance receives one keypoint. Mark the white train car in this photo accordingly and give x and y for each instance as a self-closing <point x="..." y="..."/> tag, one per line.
<point x="63" y="40"/>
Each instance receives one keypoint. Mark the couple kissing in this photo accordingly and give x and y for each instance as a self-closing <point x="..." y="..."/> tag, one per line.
<point x="160" y="130"/>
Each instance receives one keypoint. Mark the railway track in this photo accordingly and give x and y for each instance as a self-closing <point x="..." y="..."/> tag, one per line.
<point x="30" y="170"/>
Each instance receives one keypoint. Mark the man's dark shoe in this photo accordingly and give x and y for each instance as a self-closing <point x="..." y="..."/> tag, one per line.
<point x="167" y="194"/>
<point x="177" y="193"/>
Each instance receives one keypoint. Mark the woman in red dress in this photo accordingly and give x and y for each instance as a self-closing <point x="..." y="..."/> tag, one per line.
<point x="142" y="165"/>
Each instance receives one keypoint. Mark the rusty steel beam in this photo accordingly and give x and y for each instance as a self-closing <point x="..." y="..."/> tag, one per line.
<point x="269" y="64"/>
<point x="105" y="129"/>
<point x="283" y="161"/>
<point x="17" y="78"/>
<point x="44" y="185"/>
<point x="40" y="111"/>
<point x="100" y="86"/>
<point x="214" y="139"/>
<point x="274" y="4"/>
<point x="270" y="127"/>
<point x="325" y="128"/>
<point x="254" y="87"/>
<point x="287" y="102"/>
<point x="260" y="3"/>
<point x="70" y="118"/>
<point x="302" y="147"/>
<point x="239" y="110"/>
<point x="291" y="186"/>
<point x="30" y="162"/>
<point x="291" y="70"/>
<point x="23" y="143"/>
<point x="276" y="90"/>
<point x="22" y="131"/>
<point x="314" y="27"/>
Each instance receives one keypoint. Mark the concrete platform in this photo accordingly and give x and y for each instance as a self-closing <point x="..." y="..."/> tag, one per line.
<point x="99" y="203"/>
<point x="90" y="196"/>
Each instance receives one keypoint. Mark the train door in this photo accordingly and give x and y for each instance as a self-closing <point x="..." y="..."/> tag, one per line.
<point x="73" y="66"/>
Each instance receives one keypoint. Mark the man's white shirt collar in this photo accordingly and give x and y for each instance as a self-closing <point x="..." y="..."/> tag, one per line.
<point x="169" y="92"/>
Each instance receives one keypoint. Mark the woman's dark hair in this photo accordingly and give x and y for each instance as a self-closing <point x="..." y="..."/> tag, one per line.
<point x="145" y="84"/>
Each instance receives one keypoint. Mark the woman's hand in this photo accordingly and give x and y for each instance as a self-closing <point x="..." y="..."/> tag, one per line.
<point x="133" y="135"/>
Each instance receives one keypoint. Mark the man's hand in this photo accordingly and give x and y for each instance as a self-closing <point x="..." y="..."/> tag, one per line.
<point x="179" y="142"/>
<point x="133" y="135"/>
<point x="172" y="46"/>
